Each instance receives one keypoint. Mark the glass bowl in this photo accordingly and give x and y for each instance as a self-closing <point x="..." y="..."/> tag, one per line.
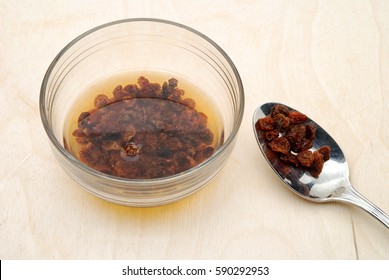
<point x="142" y="45"/>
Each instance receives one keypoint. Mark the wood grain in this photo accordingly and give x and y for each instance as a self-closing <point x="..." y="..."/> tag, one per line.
<point x="329" y="59"/>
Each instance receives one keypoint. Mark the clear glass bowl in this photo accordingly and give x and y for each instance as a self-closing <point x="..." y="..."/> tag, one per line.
<point x="139" y="45"/>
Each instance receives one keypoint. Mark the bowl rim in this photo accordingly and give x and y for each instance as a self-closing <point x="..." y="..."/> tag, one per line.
<point x="143" y="182"/>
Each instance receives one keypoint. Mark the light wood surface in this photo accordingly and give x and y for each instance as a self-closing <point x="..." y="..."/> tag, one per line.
<point x="329" y="59"/>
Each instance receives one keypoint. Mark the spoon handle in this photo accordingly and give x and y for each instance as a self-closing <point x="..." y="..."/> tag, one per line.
<point x="354" y="197"/>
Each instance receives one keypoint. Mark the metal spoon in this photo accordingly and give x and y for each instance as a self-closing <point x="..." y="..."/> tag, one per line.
<point x="333" y="183"/>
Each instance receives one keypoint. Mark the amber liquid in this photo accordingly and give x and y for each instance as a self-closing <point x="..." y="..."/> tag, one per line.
<point x="86" y="103"/>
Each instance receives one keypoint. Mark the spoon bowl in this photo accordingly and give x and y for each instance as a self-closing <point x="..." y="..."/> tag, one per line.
<point x="333" y="184"/>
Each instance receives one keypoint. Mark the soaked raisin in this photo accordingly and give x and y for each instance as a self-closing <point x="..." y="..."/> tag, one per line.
<point x="208" y="151"/>
<point x="143" y="82"/>
<point x="184" y="161"/>
<point x="82" y="116"/>
<point x="189" y="102"/>
<point x="131" y="149"/>
<point x="78" y="133"/>
<point x="101" y="100"/>
<point x="143" y="131"/>
<point x="131" y="89"/>
<point x="173" y="82"/>
<point x="111" y="146"/>
<point x="121" y="94"/>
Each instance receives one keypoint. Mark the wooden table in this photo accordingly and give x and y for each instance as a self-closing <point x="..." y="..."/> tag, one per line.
<point x="329" y="59"/>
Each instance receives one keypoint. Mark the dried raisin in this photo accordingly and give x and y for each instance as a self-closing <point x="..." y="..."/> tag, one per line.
<point x="288" y="134"/>
<point x="305" y="158"/>
<point x="280" y="145"/>
<point x="280" y="121"/>
<point x="297" y="117"/>
<point x="317" y="164"/>
<point x="325" y="151"/>
<point x="279" y="109"/>
<point x="266" y="124"/>
<point x="290" y="159"/>
<point x="310" y="131"/>
<point x="272" y="134"/>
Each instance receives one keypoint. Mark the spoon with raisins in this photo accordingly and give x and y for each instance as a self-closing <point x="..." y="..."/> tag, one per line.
<point x="306" y="158"/>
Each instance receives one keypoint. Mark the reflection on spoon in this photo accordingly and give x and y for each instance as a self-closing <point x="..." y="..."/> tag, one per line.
<point x="333" y="183"/>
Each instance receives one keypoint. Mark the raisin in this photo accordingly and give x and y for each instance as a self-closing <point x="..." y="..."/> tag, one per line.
<point x="143" y="82"/>
<point x="297" y="132"/>
<point x="176" y="94"/>
<point x="100" y="101"/>
<point x="117" y="89"/>
<point x="164" y="152"/>
<point x="266" y="124"/>
<point x="208" y="151"/>
<point x="295" y="135"/>
<point x="203" y="154"/>
<point x="280" y="145"/>
<point x="131" y="89"/>
<point x="121" y="94"/>
<point x="297" y="117"/>
<point x="272" y="134"/>
<point x="78" y="133"/>
<point x="143" y="131"/>
<point x="279" y="109"/>
<point x="166" y="90"/>
<point x="291" y="138"/>
<point x="184" y="161"/>
<point x="82" y="141"/>
<point x="290" y="159"/>
<point x="189" y="102"/>
<point x="128" y="133"/>
<point x="173" y="82"/>
<point x="82" y="116"/>
<point x="305" y="144"/>
<point x="305" y="158"/>
<point x="310" y="131"/>
<point x="173" y="144"/>
<point x="325" y="151"/>
<point x="131" y="149"/>
<point x="280" y="121"/>
<point x="110" y="146"/>
<point x="206" y="136"/>
<point x="317" y="165"/>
